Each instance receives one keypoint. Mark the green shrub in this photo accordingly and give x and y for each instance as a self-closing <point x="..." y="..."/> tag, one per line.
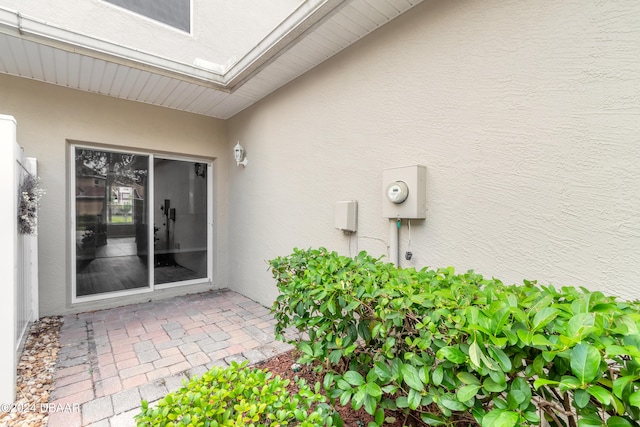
<point x="449" y="347"/>
<point x="238" y="396"/>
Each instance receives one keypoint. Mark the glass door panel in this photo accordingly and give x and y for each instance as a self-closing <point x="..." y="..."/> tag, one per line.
<point x="180" y="225"/>
<point x="111" y="227"/>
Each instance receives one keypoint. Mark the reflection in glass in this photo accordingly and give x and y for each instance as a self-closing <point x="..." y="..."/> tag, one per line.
<point x="111" y="228"/>
<point x="180" y="226"/>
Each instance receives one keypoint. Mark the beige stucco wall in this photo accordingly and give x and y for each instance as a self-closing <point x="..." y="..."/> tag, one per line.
<point x="525" y="113"/>
<point x="47" y="116"/>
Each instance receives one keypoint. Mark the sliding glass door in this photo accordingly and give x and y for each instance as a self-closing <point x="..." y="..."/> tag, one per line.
<point x="180" y="249"/>
<point x="139" y="221"/>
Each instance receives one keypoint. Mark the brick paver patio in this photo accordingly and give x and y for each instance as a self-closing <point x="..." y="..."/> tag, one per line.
<point x="111" y="359"/>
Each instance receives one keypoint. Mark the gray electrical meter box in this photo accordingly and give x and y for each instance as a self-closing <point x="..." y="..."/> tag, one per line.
<point x="404" y="192"/>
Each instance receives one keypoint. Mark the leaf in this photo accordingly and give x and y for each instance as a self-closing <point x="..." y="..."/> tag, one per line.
<point x="618" y="422"/>
<point x="585" y="362"/>
<point x="468" y="378"/>
<point x="345" y="397"/>
<point x="369" y="404"/>
<point x="500" y="418"/>
<point x="498" y="376"/>
<point x="567" y="382"/>
<point x="438" y="375"/>
<point x="379" y="416"/>
<point x="543" y="381"/>
<point x="328" y="380"/>
<point x="402" y="402"/>
<point x="352" y="305"/>
<point x="600" y="393"/>
<point x="581" y="398"/>
<point x="353" y="378"/>
<point x="634" y="399"/>
<point x="533" y="417"/>
<point x="364" y="331"/>
<point x="343" y="385"/>
<point x="499" y="319"/>
<point x="337" y="419"/>
<point x="515" y="398"/>
<point x="414" y="399"/>
<point x="521" y="392"/>
<point x="543" y="317"/>
<point x="452" y="404"/>
<point x="591" y="420"/>
<point x="306" y="348"/>
<point x="390" y="388"/>
<point x="525" y="336"/>
<point x="467" y="392"/>
<point x="357" y="401"/>
<point x="489" y="363"/>
<point x="540" y="340"/>
<point x="604" y="308"/>
<point x="424" y="374"/>
<point x="474" y="353"/>
<point x="373" y="390"/>
<point x="621" y="383"/>
<point x="432" y="420"/>
<point x="499" y="341"/>
<point x="580" y="326"/>
<point x="617" y="350"/>
<point x="501" y="357"/>
<point x="412" y="377"/>
<point x="335" y="356"/>
<point x="618" y="405"/>
<point x="493" y="387"/>
<point x="382" y="372"/>
<point x="538" y="365"/>
<point x="451" y="354"/>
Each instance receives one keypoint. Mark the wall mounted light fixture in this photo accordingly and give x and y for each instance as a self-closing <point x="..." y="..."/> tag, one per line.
<point x="238" y="154"/>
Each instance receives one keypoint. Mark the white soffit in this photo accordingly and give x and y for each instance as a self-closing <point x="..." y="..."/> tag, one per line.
<point x="314" y="32"/>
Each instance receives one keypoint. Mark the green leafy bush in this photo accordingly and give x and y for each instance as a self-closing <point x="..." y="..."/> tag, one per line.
<point x="238" y="396"/>
<point x="449" y="347"/>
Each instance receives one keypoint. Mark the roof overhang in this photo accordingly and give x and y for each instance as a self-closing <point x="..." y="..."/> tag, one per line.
<point x="315" y="31"/>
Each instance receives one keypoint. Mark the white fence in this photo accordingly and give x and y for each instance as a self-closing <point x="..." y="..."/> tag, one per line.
<point x="27" y="271"/>
<point x="18" y="262"/>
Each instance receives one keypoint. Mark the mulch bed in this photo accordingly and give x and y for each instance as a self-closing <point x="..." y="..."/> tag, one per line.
<point x="282" y="365"/>
<point x="34" y="376"/>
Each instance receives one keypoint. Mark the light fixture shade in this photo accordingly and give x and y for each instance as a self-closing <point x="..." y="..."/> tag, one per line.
<point x="238" y="155"/>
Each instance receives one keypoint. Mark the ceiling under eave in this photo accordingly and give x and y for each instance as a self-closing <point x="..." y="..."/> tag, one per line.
<point x="312" y="34"/>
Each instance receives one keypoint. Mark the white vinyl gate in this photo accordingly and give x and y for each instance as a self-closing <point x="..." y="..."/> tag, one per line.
<point x="18" y="260"/>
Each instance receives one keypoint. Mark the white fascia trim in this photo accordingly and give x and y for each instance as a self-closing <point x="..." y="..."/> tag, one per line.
<point x="224" y="77"/>
<point x="309" y="14"/>
<point x="15" y="24"/>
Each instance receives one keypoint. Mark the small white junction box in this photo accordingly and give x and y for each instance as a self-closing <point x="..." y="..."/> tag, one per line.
<point x="346" y="216"/>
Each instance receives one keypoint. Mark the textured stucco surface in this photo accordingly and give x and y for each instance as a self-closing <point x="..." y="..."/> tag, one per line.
<point x="220" y="30"/>
<point x="47" y="116"/>
<point x="525" y="113"/>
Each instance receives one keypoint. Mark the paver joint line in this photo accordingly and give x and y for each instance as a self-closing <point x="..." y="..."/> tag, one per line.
<point x="142" y="351"/>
